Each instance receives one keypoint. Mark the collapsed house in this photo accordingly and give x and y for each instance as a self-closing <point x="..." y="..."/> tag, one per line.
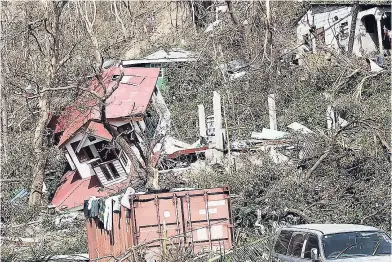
<point x="331" y="22"/>
<point x="136" y="109"/>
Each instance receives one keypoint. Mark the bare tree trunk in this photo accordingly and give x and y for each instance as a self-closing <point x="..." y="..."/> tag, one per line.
<point x="4" y="121"/>
<point x="39" y="151"/>
<point x="97" y="54"/>
<point x="268" y="32"/>
<point x="89" y="22"/>
<point x="44" y="102"/>
<point x="352" y="28"/>
<point x="234" y="18"/>
<point x="3" y="107"/>
<point x="137" y="175"/>
<point x="236" y="22"/>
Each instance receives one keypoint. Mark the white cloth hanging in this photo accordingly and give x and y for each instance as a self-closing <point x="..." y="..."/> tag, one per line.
<point x="125" y="199"/>
<point x="116" y="204"/>
<point x="108" y="215"/>
<point x="90" y="202"/>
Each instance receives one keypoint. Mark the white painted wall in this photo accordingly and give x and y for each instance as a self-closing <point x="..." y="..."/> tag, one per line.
<point x="84" y="169"/>
<point x="68" y="157"/>
<point x="327" y="20"/>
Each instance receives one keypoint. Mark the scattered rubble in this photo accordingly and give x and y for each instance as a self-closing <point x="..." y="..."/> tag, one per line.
<point x="268" y="134"/>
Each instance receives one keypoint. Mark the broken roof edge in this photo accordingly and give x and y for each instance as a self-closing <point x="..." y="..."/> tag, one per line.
<point x="135" y="117"/>
<point x="63" y="143"/>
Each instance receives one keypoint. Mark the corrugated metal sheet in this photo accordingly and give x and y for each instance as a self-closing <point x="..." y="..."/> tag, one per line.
<point x="200" y="219"/>
<point x="102" y="243"/>
<point x="74" y="190"/>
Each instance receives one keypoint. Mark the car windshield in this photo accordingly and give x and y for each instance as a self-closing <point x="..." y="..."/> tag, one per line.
<point x="356" y="244"/>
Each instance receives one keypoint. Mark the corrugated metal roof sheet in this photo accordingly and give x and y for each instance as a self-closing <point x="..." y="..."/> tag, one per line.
<point x="161" y="56"/>
<point x="173" y="54"/>
<point x="74" y="190"/>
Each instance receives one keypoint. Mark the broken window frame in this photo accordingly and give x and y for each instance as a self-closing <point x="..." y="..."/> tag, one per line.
<point x="106" y="172"/>
<point x="344" y="31"/>
<point x="85" y="153"/>
<point x="109" y="154"/>
<point x="296" y="244"/>
<point x="320" y="33"/>
<point x="113" y="170"/>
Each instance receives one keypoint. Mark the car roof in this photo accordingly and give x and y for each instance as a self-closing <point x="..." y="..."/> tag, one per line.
<point x="333" y="228"/>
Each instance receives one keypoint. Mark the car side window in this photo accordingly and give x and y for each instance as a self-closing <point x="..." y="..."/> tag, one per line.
<point x="312" y="242"/>
<point x="282" y="242"/>
<point x="296" y="244"/>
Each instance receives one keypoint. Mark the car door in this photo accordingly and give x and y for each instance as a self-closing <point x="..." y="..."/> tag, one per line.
<point x="294" y="249"/>
<point x="312" y="241"/>
<point x="281" y="245"/>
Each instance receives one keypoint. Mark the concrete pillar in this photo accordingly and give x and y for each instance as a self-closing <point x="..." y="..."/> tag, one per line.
<point x="217" y="110"/>
<point x="202" y="121"/>
<point x="272" y="112"/>
<point x="379" y="31"/>
<point x="314" y="46"/>
<point x="218" y="125"/>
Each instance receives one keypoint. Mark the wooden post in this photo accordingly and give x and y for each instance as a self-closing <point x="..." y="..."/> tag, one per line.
<point x="272" y="112"/>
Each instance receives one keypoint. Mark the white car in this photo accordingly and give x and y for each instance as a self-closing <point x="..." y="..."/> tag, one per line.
<point x="331" y="242"/>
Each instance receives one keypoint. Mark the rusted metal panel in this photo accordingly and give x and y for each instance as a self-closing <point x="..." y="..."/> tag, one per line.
<point x="201" y="219"/>
<point x="103" y="243"/>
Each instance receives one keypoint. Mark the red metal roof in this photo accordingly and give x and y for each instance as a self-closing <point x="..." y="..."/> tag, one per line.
<point x="74" y="190"/>
<point x="76" y="120"/>
<point x="97" y="129"/>
<point x="131" y="98"/>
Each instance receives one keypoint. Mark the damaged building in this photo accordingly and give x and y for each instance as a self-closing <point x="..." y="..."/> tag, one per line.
<point x="99" y="167"/>
<point x="331" y="22"/>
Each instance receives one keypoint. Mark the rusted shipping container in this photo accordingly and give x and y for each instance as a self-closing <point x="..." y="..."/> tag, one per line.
<point x="200" y="219"/>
